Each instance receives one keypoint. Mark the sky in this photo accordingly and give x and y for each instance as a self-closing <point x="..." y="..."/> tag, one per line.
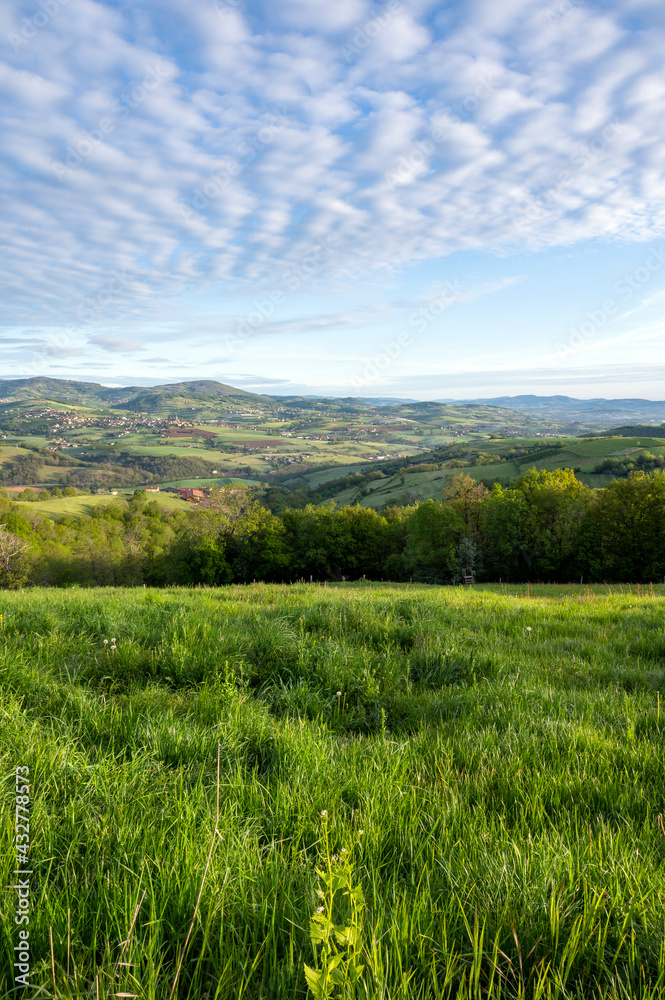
<point x="431" y="200"/>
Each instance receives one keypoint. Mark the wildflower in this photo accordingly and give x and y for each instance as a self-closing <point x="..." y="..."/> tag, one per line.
<point x="319" y="909"/>
<point x="324" y="812"/>
<point x="360" y="833"/>
<point x="343" y="851"/>
<point x="320" y="894"/>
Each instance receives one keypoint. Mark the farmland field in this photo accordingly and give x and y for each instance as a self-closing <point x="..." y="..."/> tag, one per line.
<point x="81" y="505"/>
<point x="488" y="763"/>
<point x="225" y="481"/>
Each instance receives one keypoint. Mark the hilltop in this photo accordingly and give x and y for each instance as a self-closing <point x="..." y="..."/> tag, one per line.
<point x="145" y="399"/>
<point x="605" y="411"/>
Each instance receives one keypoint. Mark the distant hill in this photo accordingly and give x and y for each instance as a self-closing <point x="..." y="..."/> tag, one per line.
<point x="568" y="408"/>
<point x="59" y="390"/>
<point x="635" y="430"/>
<point x="153" y="399"/>
<point x="203" y="398"/>
<point x="198" y="395"/>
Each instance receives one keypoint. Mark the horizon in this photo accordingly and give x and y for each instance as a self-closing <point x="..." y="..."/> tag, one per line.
<point x="341" y="200"/>
<point x="153" y="384"/>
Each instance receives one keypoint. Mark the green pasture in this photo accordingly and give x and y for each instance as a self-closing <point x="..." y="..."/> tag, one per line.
<point x="208" y="454"/>
<point x="8" y="451"/>
<point x="315" y="479"/>
<point x="36" y="439"/>
<point x="239" y="435"/>
<point x="207" y="482"/>
<point x="604" y="447"/>
<point x="485" y="766"/>
<point x="77" y="506"/>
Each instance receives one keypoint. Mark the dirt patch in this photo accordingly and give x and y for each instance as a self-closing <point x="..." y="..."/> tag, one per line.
<point x="177" y="432"/>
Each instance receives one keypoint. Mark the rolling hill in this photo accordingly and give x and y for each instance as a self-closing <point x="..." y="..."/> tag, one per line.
<point x="154" y="399"/>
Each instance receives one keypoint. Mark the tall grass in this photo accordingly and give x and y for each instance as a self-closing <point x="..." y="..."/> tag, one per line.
<point x="501" y="749"/>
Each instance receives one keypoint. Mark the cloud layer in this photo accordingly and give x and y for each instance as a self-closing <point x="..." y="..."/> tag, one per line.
<point x="168" y="148"/>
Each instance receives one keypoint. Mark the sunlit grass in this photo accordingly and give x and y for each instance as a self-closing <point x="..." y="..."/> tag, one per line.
<point x="501" y="749"/>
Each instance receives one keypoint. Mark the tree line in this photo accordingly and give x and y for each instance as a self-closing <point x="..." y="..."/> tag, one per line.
<point x="546" y="526"/>
<point x="106" y="468"/>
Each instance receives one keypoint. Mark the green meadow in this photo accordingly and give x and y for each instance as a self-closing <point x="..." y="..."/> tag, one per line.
<point x="483" y="767"/>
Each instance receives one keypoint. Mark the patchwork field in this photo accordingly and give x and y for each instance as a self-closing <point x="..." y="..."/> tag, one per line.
<point x="583" y="456"/>
<point x="485" y="766"/>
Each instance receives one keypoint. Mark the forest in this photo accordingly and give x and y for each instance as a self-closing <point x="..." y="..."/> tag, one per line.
<point x="545" y="527"/>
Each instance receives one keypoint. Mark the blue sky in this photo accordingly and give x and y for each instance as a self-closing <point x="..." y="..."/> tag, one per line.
<point x="423" y="199"/>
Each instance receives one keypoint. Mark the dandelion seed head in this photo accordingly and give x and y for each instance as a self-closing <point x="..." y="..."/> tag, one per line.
<point x="106" y="642"/>
<point x="339" y="694"/>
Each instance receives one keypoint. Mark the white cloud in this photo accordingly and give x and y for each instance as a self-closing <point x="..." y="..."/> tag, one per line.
<point x="521" y="99"/>
<point x="117" y="346"/>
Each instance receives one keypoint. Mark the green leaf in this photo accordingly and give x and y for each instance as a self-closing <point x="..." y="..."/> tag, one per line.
<point x="343" y="934"/>
<point x="338" y="881"/>
<point x="319" y="928"/>
<point x="357" y="894"/>
<point x="315" y="982"/>
<point x="355" y="972"/>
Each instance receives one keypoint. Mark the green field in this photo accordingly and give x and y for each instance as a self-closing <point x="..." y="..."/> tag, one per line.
<point x="486" y="765"/>
<point x="581" y="455"/>
<point x="207" y="454"/>
<point x="215" y="482"/>
<point x="77" y="506"/>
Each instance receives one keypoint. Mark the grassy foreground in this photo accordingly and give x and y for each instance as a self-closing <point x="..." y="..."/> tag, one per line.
<point x="493" y="768"/>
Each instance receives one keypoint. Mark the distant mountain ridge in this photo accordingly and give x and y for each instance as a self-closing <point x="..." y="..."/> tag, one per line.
<point x="141" y="398"/>
<point x="569" y="406"/>
<point x="206" y="394"/>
